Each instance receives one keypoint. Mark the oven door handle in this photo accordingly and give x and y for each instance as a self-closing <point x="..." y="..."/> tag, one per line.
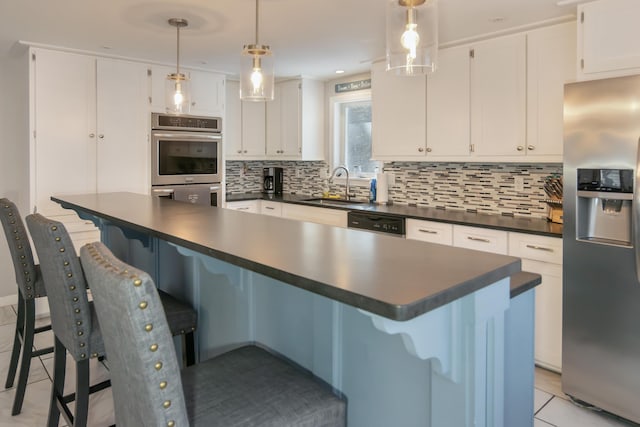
<point x="187" y="136"/>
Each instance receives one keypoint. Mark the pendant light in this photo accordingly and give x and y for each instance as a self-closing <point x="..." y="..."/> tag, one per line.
<point x="177" y="85"/>
<point x="412" y="36"/>
<point x="256" y="70"/>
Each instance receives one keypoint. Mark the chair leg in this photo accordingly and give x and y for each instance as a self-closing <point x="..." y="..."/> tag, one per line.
<point x="82" y="394"/>
<point x="27" y="349"/>
<point x="57" y="388"/>
<point x="17" y="343"/>
<point x="189" y="348"/>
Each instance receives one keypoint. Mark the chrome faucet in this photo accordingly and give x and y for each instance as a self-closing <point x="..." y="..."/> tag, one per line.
<point x="347" y="194"/>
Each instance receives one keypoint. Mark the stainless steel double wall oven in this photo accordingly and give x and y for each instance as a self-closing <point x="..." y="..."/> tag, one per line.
<point x="186" y="158"/>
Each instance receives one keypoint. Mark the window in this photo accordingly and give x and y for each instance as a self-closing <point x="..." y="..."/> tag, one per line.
<point x="351" y="145"/>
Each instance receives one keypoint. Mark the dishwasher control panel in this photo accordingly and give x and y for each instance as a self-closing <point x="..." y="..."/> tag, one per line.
<point x="376" y="222"/>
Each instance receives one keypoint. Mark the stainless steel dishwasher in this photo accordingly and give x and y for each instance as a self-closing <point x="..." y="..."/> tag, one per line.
<point x="380" y="223"/>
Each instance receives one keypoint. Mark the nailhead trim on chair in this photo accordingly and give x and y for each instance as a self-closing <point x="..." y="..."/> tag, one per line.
<point x="142" y="305"/>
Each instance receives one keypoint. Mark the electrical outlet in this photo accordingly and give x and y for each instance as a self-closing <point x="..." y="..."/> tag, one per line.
<point x="391" y="179"/>
<point x="518" y="183"/>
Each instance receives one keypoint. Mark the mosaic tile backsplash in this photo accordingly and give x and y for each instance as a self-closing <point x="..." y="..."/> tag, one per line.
<point x="485" y="188"/>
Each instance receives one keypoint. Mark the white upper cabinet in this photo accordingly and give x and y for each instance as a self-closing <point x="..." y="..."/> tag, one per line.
<point x="498" y="97"/>
<point x="608" y="35"/>
<point x="243" y="127"/>
<point x="496" y="100"/>
<point x="550" y="64"/>
<point x="253" y="122"/>
<point x="207" y="94"/>
<point x="207" y="91"/>
<point x="448" y="105"/>
<point x="398" y="108"/>
<point x="295" y="121"/>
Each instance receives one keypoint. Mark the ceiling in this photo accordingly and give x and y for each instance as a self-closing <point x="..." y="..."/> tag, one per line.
<point x="308" y="38"/>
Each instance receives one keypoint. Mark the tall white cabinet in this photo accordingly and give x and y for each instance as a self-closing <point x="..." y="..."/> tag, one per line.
<point x="90" y="120"/>
<point x="122" y="158"/>
<point x="63" y="155"/>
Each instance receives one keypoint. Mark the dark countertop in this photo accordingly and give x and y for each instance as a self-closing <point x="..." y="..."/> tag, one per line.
<point x="395" y="278"/>
<point x="499" y="222"/>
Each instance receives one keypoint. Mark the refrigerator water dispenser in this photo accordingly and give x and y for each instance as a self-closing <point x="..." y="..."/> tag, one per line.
<point x="605" y="198"/>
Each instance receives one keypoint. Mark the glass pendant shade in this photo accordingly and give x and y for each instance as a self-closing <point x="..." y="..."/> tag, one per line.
<point x="177" y="87"/>
<point x="412" y="36"/>
<point x="256" y="74"/>
<point x="177" y="94"/>
<point x="256" y="70"/>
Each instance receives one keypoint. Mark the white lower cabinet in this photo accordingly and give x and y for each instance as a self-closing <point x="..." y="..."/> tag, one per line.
<point x="244" y="206"/>
<point x="539" y="254"/>
<point x="543" y="255"/>
<point x="481" y="239"/>
<point x="429" y="231"/>
<point x="268" y="207"/>
<point x="327" y="216"/>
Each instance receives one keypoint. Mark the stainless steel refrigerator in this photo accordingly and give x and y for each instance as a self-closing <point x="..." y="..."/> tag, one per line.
<point x="601" y="238"/>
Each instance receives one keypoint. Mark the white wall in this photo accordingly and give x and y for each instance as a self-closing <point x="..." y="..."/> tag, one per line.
<point x="14" y="148"/>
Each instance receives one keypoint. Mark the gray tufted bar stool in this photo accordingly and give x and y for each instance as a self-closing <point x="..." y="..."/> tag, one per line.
<point x="30" y="287"/>
<point x="247" y="387"/>
<point x="73" y="318"/>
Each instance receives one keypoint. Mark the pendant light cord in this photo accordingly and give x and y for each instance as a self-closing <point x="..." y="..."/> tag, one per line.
<point x="178" y="51"/>
<point x="257" y="2"/>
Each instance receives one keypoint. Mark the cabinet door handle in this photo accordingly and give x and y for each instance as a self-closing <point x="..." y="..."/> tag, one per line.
<point x="245" y="151"/>
<point x="421" y="149"/>
<point x="428" y="149"/>
<point x="520" y="148"/>
<point x="540" y="248"/>
<point x="92" y="135"/>
<point x="239" y="151"/>
<point x="531" y="147"/>
<point x="422" y="230"/>
<point x="101" y="136"/>
<point x="478" y="239"/>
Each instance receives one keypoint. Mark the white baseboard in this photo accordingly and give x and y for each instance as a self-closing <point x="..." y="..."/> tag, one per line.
<point x="9" y="300"/>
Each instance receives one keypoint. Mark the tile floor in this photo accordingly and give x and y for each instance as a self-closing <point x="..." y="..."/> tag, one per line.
<point x="552" y="408"/>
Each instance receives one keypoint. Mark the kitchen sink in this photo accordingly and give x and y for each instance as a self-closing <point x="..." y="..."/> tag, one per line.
<point x="329" y="200"/>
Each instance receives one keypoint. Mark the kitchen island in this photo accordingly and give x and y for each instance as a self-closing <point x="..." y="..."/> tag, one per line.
<point x="412" y="333"/>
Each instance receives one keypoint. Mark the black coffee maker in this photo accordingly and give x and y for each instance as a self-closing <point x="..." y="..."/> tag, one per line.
<point x="272" y="180"/>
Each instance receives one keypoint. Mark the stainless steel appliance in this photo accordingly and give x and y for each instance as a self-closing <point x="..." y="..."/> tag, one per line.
<point x="185" y="149"/>
<point x="371" y="221"/>
<point x="200" y="194"/>
<point x="601" y="236"/>
<point x="272" y="180"/>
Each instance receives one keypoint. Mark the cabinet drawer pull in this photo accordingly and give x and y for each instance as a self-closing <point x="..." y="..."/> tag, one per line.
<point x="478" y="239"/>
<point x="540" y="248"/>
<point x="241" y="209"/>
<point x="427" y="231"/>
<point x="269" y="207"/>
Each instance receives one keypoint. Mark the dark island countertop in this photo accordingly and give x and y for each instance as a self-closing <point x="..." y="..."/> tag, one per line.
<point x="519" y="224"/>
<point x="395" y="278"/>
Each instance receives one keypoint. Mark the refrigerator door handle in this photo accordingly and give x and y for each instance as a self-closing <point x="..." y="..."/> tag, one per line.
<point x="636" y="214"/>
